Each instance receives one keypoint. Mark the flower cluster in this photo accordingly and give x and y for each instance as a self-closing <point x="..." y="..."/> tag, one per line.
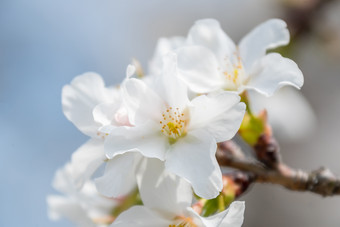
<point x="157" y="134"/>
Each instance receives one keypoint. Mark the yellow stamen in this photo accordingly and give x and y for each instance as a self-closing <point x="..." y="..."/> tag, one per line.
<point x="174" y="124"/>
<point x="183" y="222"/>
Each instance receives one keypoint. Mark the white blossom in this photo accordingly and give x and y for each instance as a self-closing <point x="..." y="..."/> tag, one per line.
<point x="180" y="132"/>
<point x="84" y="207"/>
<point x="167" y="201"/>
<point x="211" y="61"/>
<point x="95" y="110"/>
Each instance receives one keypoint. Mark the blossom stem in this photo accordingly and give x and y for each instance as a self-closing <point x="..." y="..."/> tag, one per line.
<point x="221" y="204"/>
<point x="245" y="98"/>
<point x="132" y="199"/>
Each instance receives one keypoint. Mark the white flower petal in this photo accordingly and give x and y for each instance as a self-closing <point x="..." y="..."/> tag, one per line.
<point x="60" y="206"/>
<point x="81" y="96"/>
<point x="95" y="204"/>
<point x="199" y="68"/>
<point x="164" y="45"/>
<point x="140" y="216"/>
<point x="268" y="35"/>
<point x="168" y="86"/>
<point x="141" y="102"/>
<point x="145" y="139"/>
<point x="162" y="190"/>
<point x="195" y="218"/>
<point x="193" y="158"/>
<point x="220" y="114"/>
<point x="231" y="217"/>
<point x="70" y="178"/>
<point x="215" y="220"/>
<point x="119" y="177"/>
<point x="208" y="33"/>
<point x="272" y="72"/>
<point x="86" y="160"/>
<point x="63" y="180"/>
<point x="235" y="213"/>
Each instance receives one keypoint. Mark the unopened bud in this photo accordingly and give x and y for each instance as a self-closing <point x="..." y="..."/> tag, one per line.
<point x="138" y="66"/>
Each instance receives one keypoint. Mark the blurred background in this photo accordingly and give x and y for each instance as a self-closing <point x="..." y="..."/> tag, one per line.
<point x="45" y="44"/>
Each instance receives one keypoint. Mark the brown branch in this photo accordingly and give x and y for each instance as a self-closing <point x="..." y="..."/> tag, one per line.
<point x="321" y="181"/>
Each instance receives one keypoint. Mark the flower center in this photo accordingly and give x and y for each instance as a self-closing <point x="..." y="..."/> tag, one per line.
<point x="173" y="124"/>
<point x="234" y="74"/>
<point x="181" y="221"/>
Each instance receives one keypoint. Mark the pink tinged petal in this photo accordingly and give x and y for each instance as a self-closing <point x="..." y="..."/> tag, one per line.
<point x="268" y="35"/>
<point x="199" y="69"/>
<point x="169" y="87"/>
<point x="234" y="216"/>
<point x="141" y="102"/>
<point x="208" y="33"/>
<point x="81" y="96"/>
<point x="122" y="117"/>
<point x="119" y="177"/>
<point x="140" y="216"/>
<point x="193" y="158"/>
<point x="272" y="72"/>
<point x="161" y="190"/>
<point x="105" y="113"/>
<point x="146" y="139"/>
<point x="86" y="160"/>
<point x="59" y="207"/>
<point x="164" y="45"/>
<point x="220" y="114"/>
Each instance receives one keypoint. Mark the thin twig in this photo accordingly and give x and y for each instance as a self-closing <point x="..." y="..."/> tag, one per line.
<point x="321" y="181"/>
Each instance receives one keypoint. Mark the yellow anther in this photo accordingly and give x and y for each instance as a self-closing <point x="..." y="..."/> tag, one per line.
<point x="174" y="124"/>
<point x="183" y="222"/>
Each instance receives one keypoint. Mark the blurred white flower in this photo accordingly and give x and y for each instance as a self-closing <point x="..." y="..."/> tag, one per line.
<point x="95" y="110"/>
<point x="85" y="207"/>
<point x="289" y="113"/>
<point x="170" y="127"/>
<point x="212" y="61"/>
<point x="164" y="45"/>
<point x="167" y="202"/>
